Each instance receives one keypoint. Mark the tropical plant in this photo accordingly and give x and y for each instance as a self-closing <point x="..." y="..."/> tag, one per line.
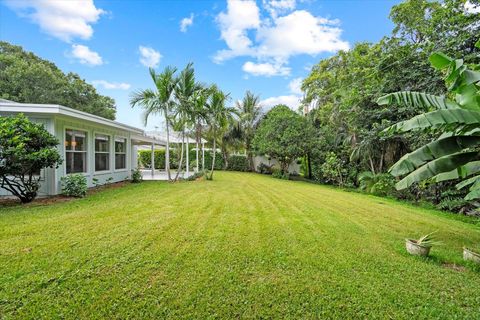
<point x="158" y="101"/>
<point x="427" y="240"/>
<point x="74" y="185"/>
<point x="218" y="116"/>
<point x="454" y="154"/>
<point x="137" y="176"/>
<point x="249" y="115"/>
<point x="25" y="149"/>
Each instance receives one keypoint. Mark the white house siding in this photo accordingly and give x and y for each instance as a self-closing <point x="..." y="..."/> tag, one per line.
<point x="61" y="124"/>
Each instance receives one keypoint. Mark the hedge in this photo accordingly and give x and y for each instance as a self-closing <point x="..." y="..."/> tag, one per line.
<point x="238" y="163"/>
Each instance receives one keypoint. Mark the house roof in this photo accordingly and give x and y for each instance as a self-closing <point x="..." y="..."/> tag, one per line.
<point x="174" y="137"/>
<point x="55" y="109"/>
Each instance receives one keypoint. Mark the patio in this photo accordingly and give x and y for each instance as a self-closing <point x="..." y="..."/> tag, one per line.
<point x="147" y="174"/>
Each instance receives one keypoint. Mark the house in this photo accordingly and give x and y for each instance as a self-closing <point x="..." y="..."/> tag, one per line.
<point x="103" y="150"/>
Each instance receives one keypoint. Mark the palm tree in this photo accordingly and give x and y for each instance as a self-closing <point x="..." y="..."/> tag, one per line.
<point x="199" y="114"/>
<point x="184" y="95"/>
<point x="218" y="118"/>
<point x="159" y="101"/>
<point x="249" y="110"/>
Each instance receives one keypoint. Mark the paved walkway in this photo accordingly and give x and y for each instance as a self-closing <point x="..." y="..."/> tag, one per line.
<point x="162" y="175"/>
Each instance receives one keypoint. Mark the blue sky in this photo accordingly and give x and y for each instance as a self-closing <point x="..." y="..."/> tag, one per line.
<point x="265" y="46"/>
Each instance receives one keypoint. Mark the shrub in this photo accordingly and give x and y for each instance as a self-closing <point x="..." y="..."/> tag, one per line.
<point x="25" y="149"/>
<point x="137" y="176"/>
<point x="238" y="163"/>
<point x="145" y="159"/>
<point x="278" y="174"/>
<point x="74" y="185"/>
<point x="384" y="186"/>
<point x="264" y="168"/>
<point x="195" y="176"/>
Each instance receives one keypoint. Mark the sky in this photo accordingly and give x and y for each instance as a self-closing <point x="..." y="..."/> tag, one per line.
<point x="265" y="46"/>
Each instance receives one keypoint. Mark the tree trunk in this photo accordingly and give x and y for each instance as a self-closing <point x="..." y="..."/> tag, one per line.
<point x="214" y="152"/>
<point x="372" y="167"/>
<point x="167" y="151"/>
<point x="309" y="166"/>
<point x="180" y="163"/>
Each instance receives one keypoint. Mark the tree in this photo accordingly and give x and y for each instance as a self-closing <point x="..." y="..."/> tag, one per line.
<point x="249" y="112"/>
<point x="218" y="116"/>
<point x="25" y="149"/>
<point x="283" y="135"/>
<point x="158" y="102"/>
<point x="26" y="78"/>
<point x="454" y="154"/>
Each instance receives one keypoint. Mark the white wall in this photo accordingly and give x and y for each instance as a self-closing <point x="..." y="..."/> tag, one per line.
<point x="293" y="167"/>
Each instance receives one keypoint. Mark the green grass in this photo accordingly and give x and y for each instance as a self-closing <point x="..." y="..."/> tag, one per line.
<point x="241" y="246"/>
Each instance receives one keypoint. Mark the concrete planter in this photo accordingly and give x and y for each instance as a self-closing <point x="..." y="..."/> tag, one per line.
<point x="470" y="255"/>
<point x="416" y="249"/>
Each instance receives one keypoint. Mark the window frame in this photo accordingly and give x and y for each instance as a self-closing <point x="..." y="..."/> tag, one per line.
<point x="87" y="144"/>
<point x="109" y="152"/>
<point x="124" y="153"/>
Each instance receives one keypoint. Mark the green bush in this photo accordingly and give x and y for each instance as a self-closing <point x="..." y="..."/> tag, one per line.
<point x="384" y="186"/>
<point x="145" y="159"/>
<point x="237" y="163"/>
<point x="136" y="176"/>
<point x="277" y="173"/>
<point x="195" y="176"/>
<point x="74" y="185"/>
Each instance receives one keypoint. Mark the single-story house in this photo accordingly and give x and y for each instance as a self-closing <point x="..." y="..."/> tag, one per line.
<point x="103" y="150"/>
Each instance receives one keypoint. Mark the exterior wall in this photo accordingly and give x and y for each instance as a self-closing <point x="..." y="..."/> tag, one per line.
<point x="55" y="124"/>
<point x="61" y="124"/>
<point x="293" y="167"/>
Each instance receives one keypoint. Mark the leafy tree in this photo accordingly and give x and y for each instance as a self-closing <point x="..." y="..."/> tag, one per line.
<point x="283" y="135"/>
<point x="25" y="149"/>
<point x="249" y="112"/>
<point x="159" y="101"/>
<point x="24" y="77"/>
<point x="454" y="154"/>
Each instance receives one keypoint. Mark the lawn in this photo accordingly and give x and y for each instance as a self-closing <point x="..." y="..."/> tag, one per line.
<point x="241" y="246"/>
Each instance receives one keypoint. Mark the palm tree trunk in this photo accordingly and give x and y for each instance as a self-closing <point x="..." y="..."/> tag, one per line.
<point x="167" y="151"/>
<point x="180" y="163"/>
<point x="214" y="152"/>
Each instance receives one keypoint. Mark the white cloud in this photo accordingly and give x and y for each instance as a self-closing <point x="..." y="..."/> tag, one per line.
<point x="85" y="55"/>
<point x="274" y="40"/>
<point x="275" y="7"/>
<point x="111" y="85"/>
<point x="234" y="24"/>
<point x="471" y="8"/>
<point x="186" y="22"/>
<point x="292" y="101"/>
<point x="265" y="69"/>
<point x="149" y="57"/>
<point x="62" y="19"/>
<point x="295" y="86"/>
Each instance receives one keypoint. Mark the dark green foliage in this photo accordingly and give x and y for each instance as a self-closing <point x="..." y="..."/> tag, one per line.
<point x="24" y="77"/>
<point x="25" y="149"/>
<point x="279" y="174"/>
<point x="196" y="176"/>
<point x="137" y="176"/>
<point x="74" y="185"/>
<point x="284" y="135"/>
<point x="238" y="163"/>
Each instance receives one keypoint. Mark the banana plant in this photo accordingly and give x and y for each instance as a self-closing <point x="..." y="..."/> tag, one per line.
<point x="455" y="153"/>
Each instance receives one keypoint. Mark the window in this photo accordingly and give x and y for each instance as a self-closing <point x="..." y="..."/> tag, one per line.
<point x="120" y="153"/>
<point x="102" y="152"/>
<point x="75" y="151"/>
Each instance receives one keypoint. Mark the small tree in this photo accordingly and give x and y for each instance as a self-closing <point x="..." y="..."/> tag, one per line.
<point x="283" y="135"/>
<point x="25" y="149"/>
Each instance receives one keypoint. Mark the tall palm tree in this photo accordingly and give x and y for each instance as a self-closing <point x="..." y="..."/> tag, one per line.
<point x="158" y="102"/>
<point x="249" y="110"/>
<point x="199" y="114"/>
<point x="218" y="118"/>
<point x="184" y="97"/>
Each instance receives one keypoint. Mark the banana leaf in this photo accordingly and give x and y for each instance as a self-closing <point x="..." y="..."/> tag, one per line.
<point x="418" y="100"/>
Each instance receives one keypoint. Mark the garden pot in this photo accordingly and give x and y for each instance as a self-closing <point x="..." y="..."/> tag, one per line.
<point x="417" y="249"/>
<point x="470" y="255"/>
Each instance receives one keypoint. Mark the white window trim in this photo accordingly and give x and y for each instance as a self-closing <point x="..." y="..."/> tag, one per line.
<point x="115" y="154"/>
<point x="65" y="128"/>
<point x="95" y="133"/>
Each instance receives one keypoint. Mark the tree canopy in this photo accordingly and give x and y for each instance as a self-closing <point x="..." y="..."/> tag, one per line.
<point x="25" y="77"/>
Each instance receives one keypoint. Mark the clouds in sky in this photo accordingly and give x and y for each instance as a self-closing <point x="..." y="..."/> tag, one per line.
<point x="186" y="22"/>
<point x="85" y="56"/>
<point x="64" y="20"/>
<point x="292" y="100"/>
<point x="285" y="33"/>
<point x="149" y="57"/>
<point x="111" y="85"/>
